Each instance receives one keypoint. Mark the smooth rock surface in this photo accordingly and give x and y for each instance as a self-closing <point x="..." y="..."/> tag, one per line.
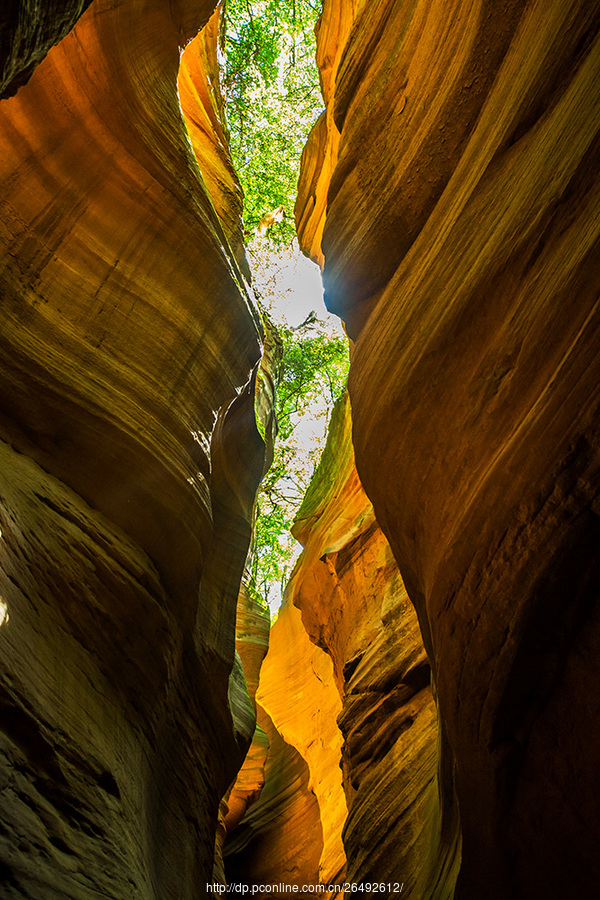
<point x="131" y="455"/>
<point x="298" y="692"/>
<point x="252" y="641"/>
<point x="354" y="605"/>
<point x="460" y="247"/>
<point x="280" y="839"/>
<point x="202" y="106"/>
<point x="451" y="194"/>
<point x="346" y="683"/>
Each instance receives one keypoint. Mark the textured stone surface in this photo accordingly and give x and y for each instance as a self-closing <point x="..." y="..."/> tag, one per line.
<point x="252" y="641"/>
<point x="202" y="105"/>
<point x="28" y="28"/>
<point x="280" y="840"/>
<point x="298" y="691"/>
<point x="354" y="605"/>
<point x="320" y="153"/>
<point x="130" y="458"/>
<point x="349" y="652"/>
<point x="290" y="831"/>
<point x="451" y="193"/>
<point x="461" y="249"/>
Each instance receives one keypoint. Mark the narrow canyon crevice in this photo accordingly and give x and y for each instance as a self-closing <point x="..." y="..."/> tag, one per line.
<point x="423" y="711"/>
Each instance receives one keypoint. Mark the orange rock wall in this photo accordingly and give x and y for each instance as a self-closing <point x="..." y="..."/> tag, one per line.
<point x="280" y="840"/>
<point x="130" y="458"/>
<point x="320" y="153"/>
<point x="450" y="192"/>
<point x="298" y="692"/>
<point x="287" y="808"/>
<point x="252" y="641"/>
<point x="363" y="679"/>
<point x="460" y="246"/>
<point x="202" y="106"/>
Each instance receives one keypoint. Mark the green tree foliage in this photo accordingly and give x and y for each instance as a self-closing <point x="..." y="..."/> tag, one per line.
<point x="313" y="374"/>
<point x="272" y="99"/>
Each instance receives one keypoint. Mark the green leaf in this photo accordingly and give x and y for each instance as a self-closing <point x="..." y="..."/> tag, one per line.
<point x="272" y="98"/>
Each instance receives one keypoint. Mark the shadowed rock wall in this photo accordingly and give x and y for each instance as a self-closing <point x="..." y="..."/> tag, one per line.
<point x="454" y="181"/>
<point x="130" y="458"/>
<point x="346" y="663"/>
<point x="28" y="28"/>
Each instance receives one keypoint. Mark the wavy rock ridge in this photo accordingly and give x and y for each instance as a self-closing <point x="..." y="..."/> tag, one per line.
<point x="346" y="682"/>
<point x="445" y="608"/>
<point x="451" y="190"/>
<point x="130" y="459"/>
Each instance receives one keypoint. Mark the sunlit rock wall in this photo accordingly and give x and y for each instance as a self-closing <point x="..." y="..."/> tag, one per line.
<point x="346" y="663"/>
<point x="280" y="839"/>
<point x="460" y="215"/>
<point x="202" y="104"/>
<point x="130" y="457"/>
<point x="289" y="830"/>
<point x="252" y="640"/>
<point x="298" y="692"/>
<point x="346" y="683"/>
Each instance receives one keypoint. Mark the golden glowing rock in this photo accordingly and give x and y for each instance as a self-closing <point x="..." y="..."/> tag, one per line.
<point x="350" y="652"/>
<point x="103" y="200"/>
<point x="202" y="107"/>
<point x="461" y="249"/>
<point x="354" y="605"/>
<point x="298" y="691"/>
<point x="320" y="153"/>
<point x="130" y="459"/>
<point x="280" y="839"/>
<point x="286" y="835"/>
<point x="252" y="641"/>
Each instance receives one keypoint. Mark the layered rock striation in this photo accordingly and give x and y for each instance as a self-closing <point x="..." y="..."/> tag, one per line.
<point x="455" y="187"/>
<point x="28" y="29"/>
<point x="131" y="454"/>
<point x="354" y="606"/>
<point x="279" y="842"/>
<point x="252" y="641"/>
<point x="444" y="611"/>
<point x="298" y="692"/>
<point x="346" y="681"/>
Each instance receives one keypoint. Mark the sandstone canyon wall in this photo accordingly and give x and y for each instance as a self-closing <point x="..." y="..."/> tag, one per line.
<point x="432" y="688"/>
<point x="130" y="454"/>
<point x="451" y="193"/>
<point x="350" y="600"/>
<point x="28" y="28"/>
<point x="346" y="682"/>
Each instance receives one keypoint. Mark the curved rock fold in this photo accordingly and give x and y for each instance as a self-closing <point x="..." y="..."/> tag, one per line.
<point x="129" y="351"/>
<point x="426" y="707"/>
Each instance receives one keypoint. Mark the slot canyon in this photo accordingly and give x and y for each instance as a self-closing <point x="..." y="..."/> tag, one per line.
<point x="423" y="715"/>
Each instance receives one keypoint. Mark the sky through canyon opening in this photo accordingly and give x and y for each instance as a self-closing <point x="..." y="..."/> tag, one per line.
<point x="272" y="100"/>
